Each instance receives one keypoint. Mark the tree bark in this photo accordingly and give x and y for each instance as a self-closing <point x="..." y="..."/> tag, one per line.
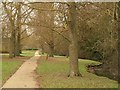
<point x="73" y="48"/>
<point x="18" y="24"/>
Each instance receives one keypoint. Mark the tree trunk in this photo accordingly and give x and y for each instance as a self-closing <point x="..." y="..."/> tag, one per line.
<point x="20" y="51"/>
<point x="51" y="43"/>
<point x="12" y="44"/>
<point x="42" y="47"/>
<point x="51" y="51"/>
<point x="11" y="48"/>
<point x="18" y="24"/>
<point x="73" y="48"/>
<point x="18" y="45"/>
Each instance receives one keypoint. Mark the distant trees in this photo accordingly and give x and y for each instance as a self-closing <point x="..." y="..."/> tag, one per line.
<point x="43" y="23"/>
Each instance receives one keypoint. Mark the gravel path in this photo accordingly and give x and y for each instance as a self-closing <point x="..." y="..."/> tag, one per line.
<point x="25" y="76"/>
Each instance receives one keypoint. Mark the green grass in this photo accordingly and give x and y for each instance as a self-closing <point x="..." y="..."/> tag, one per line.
<point x="8" y="68"/>
<point x="53" y="74"/>
<point x="28" y="53"/>
<point x="24" y="53"/>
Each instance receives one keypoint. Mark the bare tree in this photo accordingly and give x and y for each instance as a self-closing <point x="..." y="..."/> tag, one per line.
<point x="9" y="10"/>
<point x="17" y="16"/>
<point x="73" y="48"/>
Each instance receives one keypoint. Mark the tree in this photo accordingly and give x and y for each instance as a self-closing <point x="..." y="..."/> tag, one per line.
<point x="45" y="24"/>
<point x="17" y="16"/>
<point x="18" y="29"/>
<point x="10" y="15"/>
<point x="73" y="48"/>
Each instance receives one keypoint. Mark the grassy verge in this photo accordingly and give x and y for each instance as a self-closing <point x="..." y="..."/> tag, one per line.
<point x="9" y="66"/>
<point x="53" y="74"/>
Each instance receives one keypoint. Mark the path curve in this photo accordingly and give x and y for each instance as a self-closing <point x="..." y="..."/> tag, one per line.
<point x="25" y="76"/>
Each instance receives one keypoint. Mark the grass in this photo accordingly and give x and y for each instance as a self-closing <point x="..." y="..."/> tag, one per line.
<point x="24" y="53"/>
<point x="28" y="53"/>
<point x="53" y="74"/>
<point x="9" y="66"/>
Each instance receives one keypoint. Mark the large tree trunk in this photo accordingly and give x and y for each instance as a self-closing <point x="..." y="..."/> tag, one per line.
<point x="18" y="30"/>
<point x="73" y="48"/>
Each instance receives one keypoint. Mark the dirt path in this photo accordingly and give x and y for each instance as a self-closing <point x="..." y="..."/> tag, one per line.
<point x="25" y="76"/>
